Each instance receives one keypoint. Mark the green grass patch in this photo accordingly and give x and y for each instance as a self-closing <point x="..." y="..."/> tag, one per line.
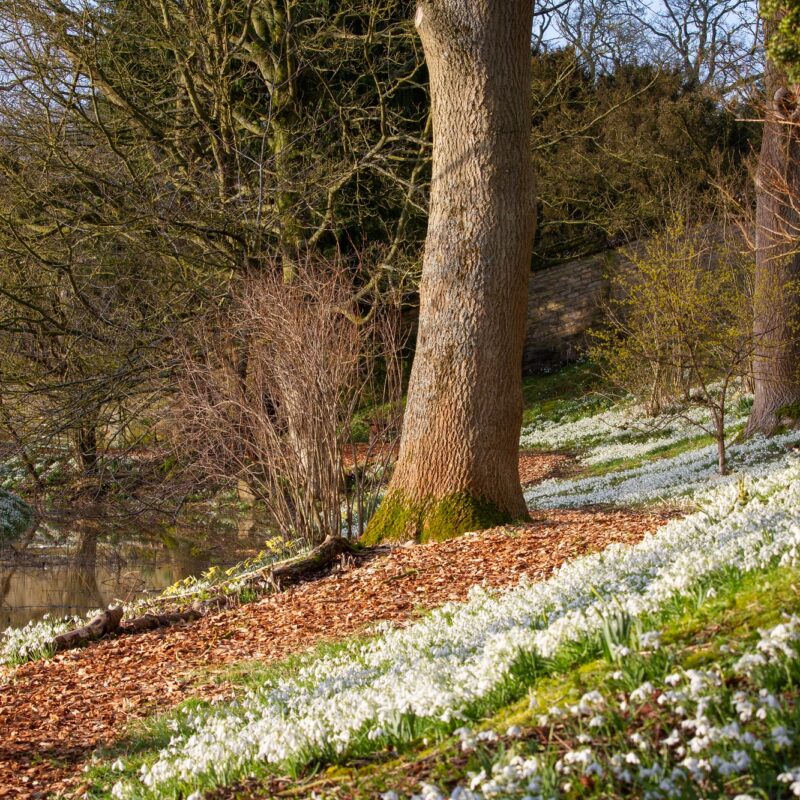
<point x="564" y="395"/>
<point x="666" y="451"/>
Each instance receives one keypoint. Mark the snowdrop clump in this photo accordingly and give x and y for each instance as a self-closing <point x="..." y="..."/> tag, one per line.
<point x="12" y="472"/>
<point x="684" y="474"/>
<point x="684" y="736"/>
<point x="15" y="515"/>
<point x="607" y="435"/>
<point x="35" y="639"/>
<point x="437" y="667"/>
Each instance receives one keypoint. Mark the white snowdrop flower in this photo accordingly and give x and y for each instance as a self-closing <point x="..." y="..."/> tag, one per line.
<point x="698" y="768"/>
<point x="437" y="666"/>
<point x="751" y="740"/>
<point x="390" y="795"/>
<point x="639" y="740"/>
<point x="699" y="743"/>
<point x="641" y="693"/>
<point x="632" y="758"/>
<point x="584" y="738"/>
<point x="780" y="736"/>
<point x="749" y="663"/>
<point x="514" y="732"/>
<point x="650" y="640"/>
<point x="118" y="766"/>
<point x="730" y="730"/>
<point x="673" y="738"/>
<point x="430" y="792"/>
<point x="792" y="777"/>
<point x="460" y="793"/>
<point x="597" y="721"/>
<point x="593" y="698"/>
<point x="478" y="779"/>
<point x="119" y="791"/>
<point x="767" y="699"/>
<point x="653" y="771"/>
<point x="741" y="759"/>
<point x="583" y="756"/>
<point x="744" y="708"/>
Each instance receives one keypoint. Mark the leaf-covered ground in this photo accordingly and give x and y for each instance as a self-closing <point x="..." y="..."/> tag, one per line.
<point x="55" y="713"/>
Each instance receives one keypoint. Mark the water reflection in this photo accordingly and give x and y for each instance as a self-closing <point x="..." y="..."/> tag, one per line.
<point x="88" y="564"/>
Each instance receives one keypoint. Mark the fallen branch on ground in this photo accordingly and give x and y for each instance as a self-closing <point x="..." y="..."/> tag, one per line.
<point x="107" y="622"/>
<point x="273" y="578"/>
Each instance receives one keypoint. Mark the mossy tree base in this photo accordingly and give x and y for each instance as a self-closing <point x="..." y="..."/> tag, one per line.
<point x="399" y="518"/>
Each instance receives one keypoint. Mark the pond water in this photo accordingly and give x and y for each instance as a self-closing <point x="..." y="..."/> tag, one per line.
<point x="76" y="567"/>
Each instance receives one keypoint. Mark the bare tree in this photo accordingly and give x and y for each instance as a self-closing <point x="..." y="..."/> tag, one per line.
<point x="283" y="422"/>
<point x="713" y="42"/>
<point x="602" y="33"/>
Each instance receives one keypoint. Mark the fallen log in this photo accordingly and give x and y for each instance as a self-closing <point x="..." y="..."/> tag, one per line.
<point x="302" y="568"/>
<point x="151" y="621"/>
<point x="311" y="565"/>
<point x="102" y="625"/>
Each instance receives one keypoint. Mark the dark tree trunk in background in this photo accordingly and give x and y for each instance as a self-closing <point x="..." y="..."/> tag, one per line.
<point x="87" y="448"/>
<point x="777" y="310"/>
<point x="458" y="463"/>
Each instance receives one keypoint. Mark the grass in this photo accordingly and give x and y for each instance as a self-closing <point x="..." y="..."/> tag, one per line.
<point x="572" y="392"/>
<point x="696" y="631"/>
<point x="659" y="453"/>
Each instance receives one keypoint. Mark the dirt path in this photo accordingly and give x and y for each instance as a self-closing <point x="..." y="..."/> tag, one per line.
<point x="54" y="713"/>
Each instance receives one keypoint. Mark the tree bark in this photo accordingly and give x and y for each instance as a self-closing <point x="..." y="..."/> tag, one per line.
<point x="458" y="464"/>
<point x="776" y="363"/>
<point x="87" y="447"/>
<point x="107" y="622"/>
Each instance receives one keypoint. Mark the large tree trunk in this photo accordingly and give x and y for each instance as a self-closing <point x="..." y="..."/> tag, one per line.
<point x="777" y="311"/>
<point x="458" y="463"/>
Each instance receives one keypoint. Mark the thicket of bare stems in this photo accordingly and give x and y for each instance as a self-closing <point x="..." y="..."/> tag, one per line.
<point x="269" y="391"/>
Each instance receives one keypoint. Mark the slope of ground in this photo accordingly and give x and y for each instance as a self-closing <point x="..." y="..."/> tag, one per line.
<point x="599" y="731"/>
<point x="53" y="714"/>
<point x="410" y="687"/>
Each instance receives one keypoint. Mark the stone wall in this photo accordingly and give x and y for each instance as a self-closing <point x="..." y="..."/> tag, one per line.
<point x="564" y="301"/>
